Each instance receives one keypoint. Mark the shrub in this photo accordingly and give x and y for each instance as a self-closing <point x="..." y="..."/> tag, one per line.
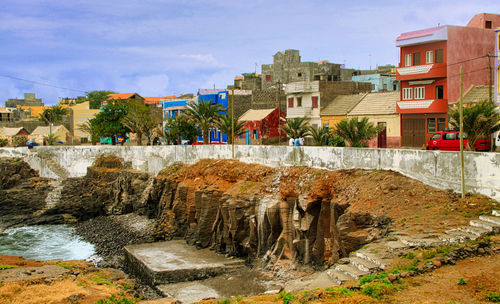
<point x="461" y="282"/>
<point x="3" y="142"/>
<point x="286" y="297"/>
<point x="115" y="300"/>
<point x="493" y="297"/>
<point x="376" y="290"/>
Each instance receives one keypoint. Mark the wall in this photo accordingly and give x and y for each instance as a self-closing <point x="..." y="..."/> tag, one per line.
<point x="436" y="168"/>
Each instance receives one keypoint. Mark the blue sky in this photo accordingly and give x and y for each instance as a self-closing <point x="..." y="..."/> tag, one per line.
<point x="163" y="47"/>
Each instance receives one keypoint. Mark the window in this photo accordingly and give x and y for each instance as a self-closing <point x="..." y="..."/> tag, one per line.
<point x="441" y="124"/>
<point x="408" y="60"/>
<point x="449" y="136"/>
<point x="326" y="126"/>
<point x="299" y="101"/>
<point x="290" y="102"/>
<point x="420" y="93"/>
<point x="299" y="74"/>
<point x="429" y="57"/>
<point x="439" y="92"/>
<point x="407" y="93"/>
<point x="315" y="102"/>
<point x="431" y="125"/>
<point x="84" y="140"/>
<point x="487" y="24"/>
<point x="416" y="58"/>
<point x="268" y="78"/>
<point x="439" y="56"/>
<point x="436" y="136"/>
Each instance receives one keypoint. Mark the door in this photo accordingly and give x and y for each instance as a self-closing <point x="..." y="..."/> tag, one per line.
<point x="382" y="135"/>
<point x="247" y="137"/>
<point x="413" y="131"/>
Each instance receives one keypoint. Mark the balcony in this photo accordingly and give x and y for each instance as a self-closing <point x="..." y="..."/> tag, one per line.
<point x="422" y="106"/>
<point x="432" y="70"/>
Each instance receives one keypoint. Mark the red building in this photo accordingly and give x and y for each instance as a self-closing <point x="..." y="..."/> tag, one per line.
<point x="262" y="124"/>
<point x="429" y="69"/>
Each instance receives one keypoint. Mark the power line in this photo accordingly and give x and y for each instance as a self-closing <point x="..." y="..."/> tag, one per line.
<point x="42" y="83"/>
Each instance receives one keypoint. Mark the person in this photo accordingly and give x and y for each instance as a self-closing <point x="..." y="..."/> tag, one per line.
<point x="297" y="142"/>
<point x="301" y="140"/>
<point x="291" y="141"/>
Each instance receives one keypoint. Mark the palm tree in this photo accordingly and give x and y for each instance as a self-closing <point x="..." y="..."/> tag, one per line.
<point x="53" y="115"/>
<point x="356" y="132"/>
<point x="320" y="135"/>
<point x="480" y="121"/>
<point x="224" y="125"/>
<point x="296" y="127"/>
<point x="91" y="129"/>
<point x="205" y="115"/>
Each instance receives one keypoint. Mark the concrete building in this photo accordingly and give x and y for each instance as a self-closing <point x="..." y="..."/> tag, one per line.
<point x="428" y="72"/>
<point x="60" y="132"/>
<point x="380" y="109"/>
<point x="287" y="67"/>
<point x="215" y="96"/>
<point x="307" y="98"/>
<point x="80" y="114"/>
<point x="29" y="100"/>
<point x="6" y="115"/>
<point x="262" y="126"/>
<point x="11" y="135"/>
<point x="380" y="82"/>
<point x="249" y="81"/>
<point x="338" y="109"/>
<point x="156" y="101"/>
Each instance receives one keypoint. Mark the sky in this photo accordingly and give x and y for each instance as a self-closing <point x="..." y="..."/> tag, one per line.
<point x="164" y="47"/>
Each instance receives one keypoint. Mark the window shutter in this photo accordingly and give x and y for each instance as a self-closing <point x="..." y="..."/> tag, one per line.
<point x="315" y="102"/>
<point x="290" y="102"/>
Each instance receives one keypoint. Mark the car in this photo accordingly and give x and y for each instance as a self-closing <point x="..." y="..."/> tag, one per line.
<point x="450" y="140"/>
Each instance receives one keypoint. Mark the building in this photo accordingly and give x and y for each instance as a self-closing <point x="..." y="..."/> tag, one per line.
<point x="380" y="109"/>
<point x="80" y="114"/>
<point x="60" y="132"/>
<point x="307" y="98"/>
<point x="249" y="81"/>
<point x="476" y="94"/>
<point x="497" y="67"/>
<point x="14" y="135"/>
<point x="28" y="101"/>
<point x="428" y="72"/>
<point x="380" y="82"/>
<point x="156" y="101"/>
<point x="6" y="115"/>
<point x="287" y="67"/>
<point x="71" y="101"/>
<point x="338" y="109"/>
<point x="263" y="126"/>
<point x="124" y="97"/>
<point x="215" y="96"/>
<point x="172" y="108"/>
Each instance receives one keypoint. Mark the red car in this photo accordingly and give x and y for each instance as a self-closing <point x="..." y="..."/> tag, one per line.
<point x="450" y="140"/>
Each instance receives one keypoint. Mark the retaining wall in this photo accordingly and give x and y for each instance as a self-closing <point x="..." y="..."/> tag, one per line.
<point x="436" y="168"/>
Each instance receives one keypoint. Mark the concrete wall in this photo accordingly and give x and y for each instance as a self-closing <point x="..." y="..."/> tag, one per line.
<point x="436" y="168"/>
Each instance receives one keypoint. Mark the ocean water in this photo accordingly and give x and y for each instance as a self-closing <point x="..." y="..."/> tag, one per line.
<point x="45" y="242"/>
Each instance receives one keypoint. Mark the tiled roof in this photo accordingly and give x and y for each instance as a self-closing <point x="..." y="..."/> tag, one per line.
<point x="122" y="96"/>
<point x="45" y="130"/>
<point x="419" y="33"/>
<point x="253" y="115"/>
<point x="157" y="99"/>
<point x="476" y="94"/>
<point x="377" y="104"/>
<point x="342" y="104"/>
<point x="10" y="131"/>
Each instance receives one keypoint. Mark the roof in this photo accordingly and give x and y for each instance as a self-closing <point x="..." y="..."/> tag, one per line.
<point x="253" y="115"/>
<point x="157" y="99"/>
<point x="10" y="131"/>
<point x="476" y="94"/>
<point x="377" y="104"/>
<point x="210" y="91"/>
<point x="46" y="130"/>
<point x="419" y="33"/>
<point x="122" y="96"/>
<point x="3" y="110"/>
<point x="342" y="104"/>
<point x="175" y="108"/>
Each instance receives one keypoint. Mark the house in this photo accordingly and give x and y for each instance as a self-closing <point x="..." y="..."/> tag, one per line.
<point x="156" y="101"/>
<point x="380" y="109"/>
<point x="429" y="70"/>
<point x="124" y="97"/>
<point x="338" y="109"/>
<point x="306" y="98"/>
<point x="10" y="134"/>
<point x="80" y="114"/>
<point x="28" y="100"/>
<point x="6" y="115"/>
<point x="263" y="126"/>
<point x="215" y="96"/>
<point x="60" y="132"/>
<point x="380" y="82"/>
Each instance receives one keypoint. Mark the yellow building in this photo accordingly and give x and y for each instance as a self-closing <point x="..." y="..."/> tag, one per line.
<point x="338" y="108"/>
<point x="80" y="114"/>
<point x="380" y="109"/>
<point x="60" y="132"/>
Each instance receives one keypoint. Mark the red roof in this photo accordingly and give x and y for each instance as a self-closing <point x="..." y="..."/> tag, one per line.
<point x="156" y="100"/>
<point x="121" y="96"/>
<point x="420" y="33"/>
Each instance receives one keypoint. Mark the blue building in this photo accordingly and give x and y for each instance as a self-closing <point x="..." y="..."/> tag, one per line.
<point x="215" y="96"/>
<point x="380" y="82"/>
<point x="174" y="108"/>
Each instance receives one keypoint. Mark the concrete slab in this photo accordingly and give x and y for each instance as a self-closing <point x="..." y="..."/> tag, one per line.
<point x="175" y="261"/>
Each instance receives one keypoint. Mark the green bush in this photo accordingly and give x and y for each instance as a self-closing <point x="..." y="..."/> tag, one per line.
<point x="115" y="300"/>
<point x="461" y="282"/>
<point x="286" y="297"/>
<point x="3" y="142"/>
<point x="344" y="291"/>
<point x="372" y="277"/>
<point x="376" y="290"/>
<point x="493" y="297"/>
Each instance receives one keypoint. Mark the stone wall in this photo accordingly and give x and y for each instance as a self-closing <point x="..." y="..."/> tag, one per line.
<point x="436" y="168"/>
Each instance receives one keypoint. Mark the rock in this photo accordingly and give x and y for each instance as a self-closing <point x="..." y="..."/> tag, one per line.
<point x="437" y="263"/>
<point x="392" y="277"/>
<point x="272" y="292"/>
<point x="481" y="251"/>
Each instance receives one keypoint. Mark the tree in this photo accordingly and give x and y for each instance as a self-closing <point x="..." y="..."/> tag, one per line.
<point x="480" y="121"/>
<point x="224" y="125"/>
<point x="180" y="127"/>
<point x="53" y="115"/>
<point x="320" y="135"/>
<point x="296" y="127"/>
<point x="96" y="98"/>
<point x="205" y="115"/>
<point x="91" y="129"/>
<point x="356" y="132"/>
<point x="139" y="120"/>
<point x="108" y="122"/>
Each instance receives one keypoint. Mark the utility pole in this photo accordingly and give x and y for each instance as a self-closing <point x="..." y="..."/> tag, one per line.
<point x="278" y="93"/>
<point x="490" y="88"/>
<point x="461" y="109"/>
<point x="232" y="123"/>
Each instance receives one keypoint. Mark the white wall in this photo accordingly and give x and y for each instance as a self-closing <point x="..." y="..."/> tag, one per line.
<point x="436" y="168"/>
